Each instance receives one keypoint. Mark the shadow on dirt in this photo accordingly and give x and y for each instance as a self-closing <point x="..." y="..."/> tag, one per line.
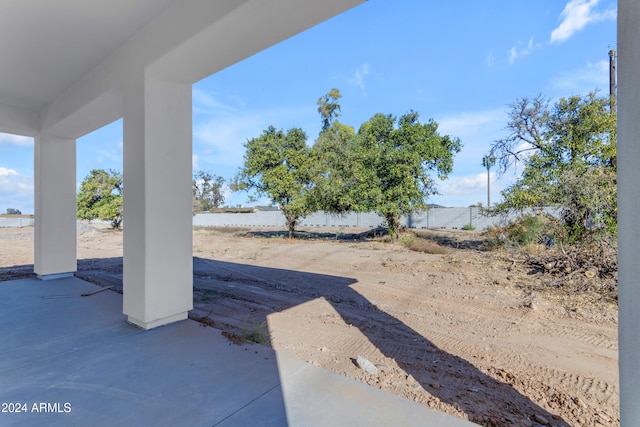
<point x="17" y="272"/>
<point x="314" y="235"/>
<point x="250" y="293"/>
<point x="478" y="244"/>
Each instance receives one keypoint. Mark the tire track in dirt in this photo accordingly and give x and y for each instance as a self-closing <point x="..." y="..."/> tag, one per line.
<point x="595" y="338"/>
<point x="549" y="383"/>
<point x="578" y="399"/>
<point x="550" y="380"/>
<point x="414" y="356"/>
<point x="437" y="359"/>
<point x="518" y="317"/>
<point x="429" y="372"/>
<point x="457" y="332"/>
<point x="594" y="388"/>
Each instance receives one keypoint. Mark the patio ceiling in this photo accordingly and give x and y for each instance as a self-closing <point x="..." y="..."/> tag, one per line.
<point x="64" y="61"/>
<point x="46" y="45"/>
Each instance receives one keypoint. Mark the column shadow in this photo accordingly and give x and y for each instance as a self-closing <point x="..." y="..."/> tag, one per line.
<point x="451" y="379"/>
<point x="227" y="294"/>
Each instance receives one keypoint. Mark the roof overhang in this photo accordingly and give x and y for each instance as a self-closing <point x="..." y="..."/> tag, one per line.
<point x="64" y="62"/>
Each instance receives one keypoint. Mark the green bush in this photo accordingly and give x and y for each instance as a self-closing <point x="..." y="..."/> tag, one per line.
<point x="468" y="227"/>
<point x="532" y="229"/>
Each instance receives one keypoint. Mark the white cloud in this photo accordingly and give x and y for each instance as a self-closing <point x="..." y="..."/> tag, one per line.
<point x="226" y="192"/>
<point x="219" y="136"/>
<point x="465" y="185"/>
<point x="222" y="137"/>
<point x="585" y="79"/>
<point x="576" y="15"/>
<point x="490" y="59"/>
<point x="358" y="78"/>
<point x="520" y="50"/>
<point x="221" y="129"/>
<point x="525" y="150"/>
<point x="21" y="141"/>
<point x="4" y="172"/>
<point x="513" y="54"/>
<point x="204" y="102"/>
<point x="16" y="191"/>
<point x="111" y="154"/>
<point x="466" y="190"/>
<point x="477" y="131"/>
<point x="485" y="125"/>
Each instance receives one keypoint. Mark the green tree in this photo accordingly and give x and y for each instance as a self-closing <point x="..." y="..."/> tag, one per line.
<point x="100" y="197"/>
<point x="575" y="134"/>
<point x="393" y="163"/>
<point x="589" y="202"/>
<point x="207" y="191"/>
<point x="329" y="108"/>
<point x="560" y="145"/>
<point x="334" y="161"/>
<point x="278" y="164"/>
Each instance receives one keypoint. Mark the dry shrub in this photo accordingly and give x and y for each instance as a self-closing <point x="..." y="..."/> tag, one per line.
<point x="220" y="230"/>
<point x="579" y="269"/>
<point x="422" y="244"/>
<point x="526" y="232"/>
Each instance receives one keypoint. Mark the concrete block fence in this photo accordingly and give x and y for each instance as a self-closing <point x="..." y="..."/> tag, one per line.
<point x="16" y="222"/>
<point x="432" y="218"/>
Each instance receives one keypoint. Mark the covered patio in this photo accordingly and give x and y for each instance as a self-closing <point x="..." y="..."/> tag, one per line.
<point x="73" y="360"/>
<point x="72" y="66"/>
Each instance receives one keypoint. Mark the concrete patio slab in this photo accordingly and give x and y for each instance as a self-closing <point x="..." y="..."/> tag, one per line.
<point x="69" y="360"/>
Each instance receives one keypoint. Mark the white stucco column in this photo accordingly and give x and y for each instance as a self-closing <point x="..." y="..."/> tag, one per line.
<point x="158" y="270"/>
<point x="55" y="207"/>
<point x="629" y="210"/>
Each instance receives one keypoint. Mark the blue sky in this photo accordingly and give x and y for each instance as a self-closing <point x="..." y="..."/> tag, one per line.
<point x="459" y="62"/>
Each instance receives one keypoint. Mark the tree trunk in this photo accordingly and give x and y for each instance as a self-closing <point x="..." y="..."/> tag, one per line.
<point x="393" y="222"/>
<point x="291" y="225"/>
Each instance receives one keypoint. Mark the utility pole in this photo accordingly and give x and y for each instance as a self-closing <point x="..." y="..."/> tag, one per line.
<point x="612" y="80"/>
<point x="488" y="162"/>
<point x="488" y="189"/>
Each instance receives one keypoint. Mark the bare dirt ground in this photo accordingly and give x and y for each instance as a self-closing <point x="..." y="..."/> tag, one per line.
<point x="470" y="332"/>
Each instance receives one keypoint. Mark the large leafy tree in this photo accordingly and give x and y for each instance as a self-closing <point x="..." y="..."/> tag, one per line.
<point x="334" y="159"/>
<point x="278" y="164"/>
<point x="335" y="166"/>
<point x="207" y="191"/>
<point x="386" y="167"/>
<point x="100" y="197"/>
<point x="392" y="165"/>
<point x="561" y="146"/>
<point x="329" y="108"/>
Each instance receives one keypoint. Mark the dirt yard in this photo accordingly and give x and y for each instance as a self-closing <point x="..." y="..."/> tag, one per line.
<point x="470" y="331"/>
